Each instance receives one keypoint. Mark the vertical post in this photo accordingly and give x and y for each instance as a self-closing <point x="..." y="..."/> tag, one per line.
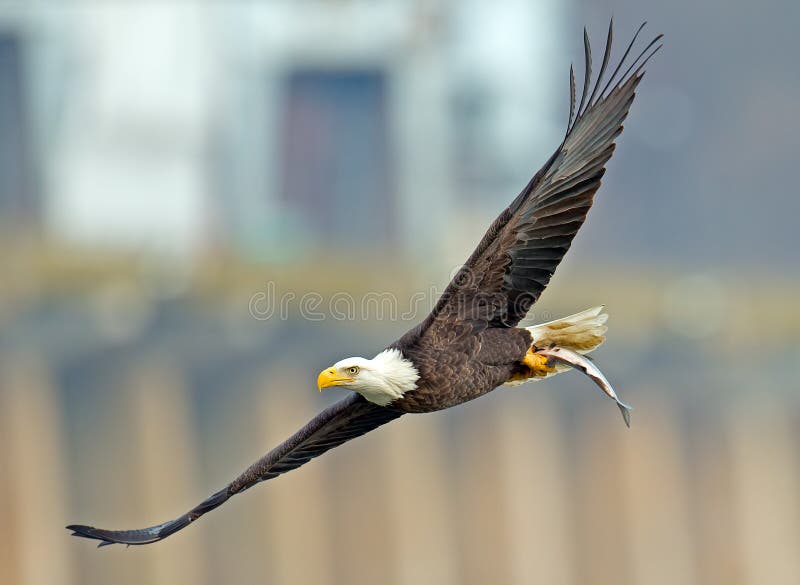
<point x="718" y="542"/>
<point x="421" y="502"/>
<point x="600" y="512"/>
<point x="539" y="492"/>
<point x="295" y="511"/>
<point x="766" y="486"/>
<point x="480" y="499"/>
<point x="655" y="495"/>
<point x="166" y="471"/>
<point x="237" y="436"/>
<point x="359" y="505"/>
<point x="33" y="477"/>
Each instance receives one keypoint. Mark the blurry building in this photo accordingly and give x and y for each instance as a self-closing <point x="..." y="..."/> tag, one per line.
<point x="173" y="127"/>
<point x="18" y="194"/>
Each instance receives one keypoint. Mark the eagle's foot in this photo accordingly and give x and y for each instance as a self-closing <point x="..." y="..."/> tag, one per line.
<point x="538" y="365"/>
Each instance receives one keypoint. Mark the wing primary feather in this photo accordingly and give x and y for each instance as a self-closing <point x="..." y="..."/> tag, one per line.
<point x="345" y="420"/>
<point x="587" y="74"/>
<point x="606" y="58"/>
<point x="645" y="60"/>
<point x="622" y="60"/>
<point x="571" y="96"/>
<point x="509" y="258"/>
<point x="645" y="50"/>
<point x="153" y="533"/>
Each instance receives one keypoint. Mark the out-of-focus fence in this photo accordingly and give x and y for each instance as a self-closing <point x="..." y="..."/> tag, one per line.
<point x="514" y="488"/>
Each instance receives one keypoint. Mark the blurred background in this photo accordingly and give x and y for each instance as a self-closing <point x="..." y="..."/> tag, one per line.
<point x="195" y="198"/>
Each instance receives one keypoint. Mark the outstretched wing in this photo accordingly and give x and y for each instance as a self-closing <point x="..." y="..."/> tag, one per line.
<point x="516" y="258"/>
<point x="345" y="420"/>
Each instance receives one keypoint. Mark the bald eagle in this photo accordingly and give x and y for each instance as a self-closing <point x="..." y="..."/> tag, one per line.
<point x="471" y="343"/>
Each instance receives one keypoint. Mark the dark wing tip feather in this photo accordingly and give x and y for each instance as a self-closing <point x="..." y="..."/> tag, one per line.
<point x="571" y="97"/>
<point x="130" y="537"/>
<point x="508" y="257"/>
<point x="622" y="60"/>
<point x="606" y="59"/>
<point x="153" y="533"/>
<point x="587" y="74"/>
<point x="642" y="54"/>
<point x="639" y="70"/>
<point x="634" y="70"/>
<point x="337" y="424"/>
<point x="107" y="537"/>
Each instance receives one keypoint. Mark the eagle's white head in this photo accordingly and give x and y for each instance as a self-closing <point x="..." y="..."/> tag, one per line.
<point x="383" y="379"/>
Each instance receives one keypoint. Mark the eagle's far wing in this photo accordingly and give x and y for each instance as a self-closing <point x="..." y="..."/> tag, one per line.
<point x="345" y="420"/>
<point x="514" y="261"/>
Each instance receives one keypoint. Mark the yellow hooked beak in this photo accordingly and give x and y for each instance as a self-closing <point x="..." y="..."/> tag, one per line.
<point x="329" y="378"/>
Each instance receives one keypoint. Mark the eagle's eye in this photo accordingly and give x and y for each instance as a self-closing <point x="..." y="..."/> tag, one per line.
<point x="353" y="370"/>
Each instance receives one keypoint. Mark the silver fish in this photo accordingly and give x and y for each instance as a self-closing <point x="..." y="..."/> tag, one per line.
<point x="587" y="366"/>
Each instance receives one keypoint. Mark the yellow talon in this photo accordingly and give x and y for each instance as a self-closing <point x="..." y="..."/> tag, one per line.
<point x="538" y="364"/>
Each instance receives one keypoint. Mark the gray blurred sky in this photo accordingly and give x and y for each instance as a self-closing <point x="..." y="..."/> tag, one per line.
<point x="706" y="173"/>
<point x="457" y="113"/>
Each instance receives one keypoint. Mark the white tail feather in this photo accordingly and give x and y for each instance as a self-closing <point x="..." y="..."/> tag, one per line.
<point x="582" y="333"/>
